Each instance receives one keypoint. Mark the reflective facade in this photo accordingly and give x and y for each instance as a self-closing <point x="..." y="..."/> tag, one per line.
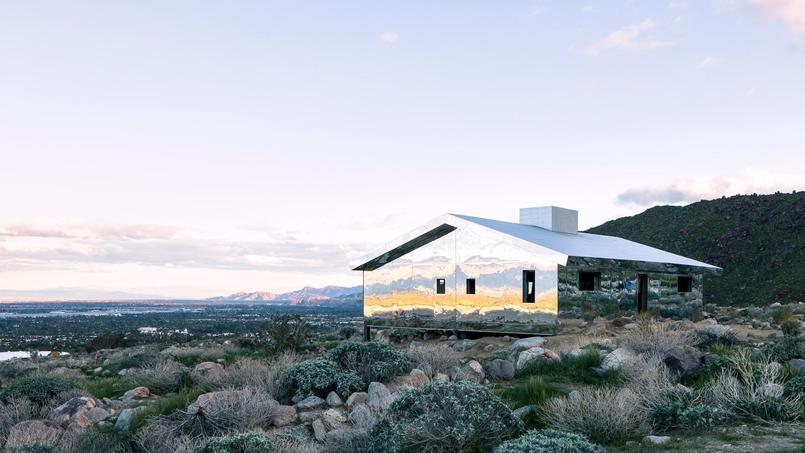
<point x="400" y="285"/>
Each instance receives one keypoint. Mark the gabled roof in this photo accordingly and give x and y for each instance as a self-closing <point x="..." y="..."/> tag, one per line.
<point x="564" y="245"/>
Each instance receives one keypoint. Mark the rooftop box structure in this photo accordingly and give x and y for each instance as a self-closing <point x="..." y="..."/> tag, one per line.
<point x="459" y="272"/>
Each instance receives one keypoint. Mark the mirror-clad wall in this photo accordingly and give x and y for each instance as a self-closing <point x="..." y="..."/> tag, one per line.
<point x="403" y="293"/>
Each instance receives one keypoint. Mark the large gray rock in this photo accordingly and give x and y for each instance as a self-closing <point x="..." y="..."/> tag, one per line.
<point x="526" y="343"/>
<point x="357" y="398"/>
<point x="282" y="415"/>
<point x="125" y="418"/>
<point x="310" y="403"/>
<point x="797" y="366"/>
<point x="137" y="393"/>
<point x="97" y="414"/>
<point x="521" y="412"/>
<point x="534" y="355"/>
<point x="464" y="345"/>
<point x="501" y="370"/>
<point x="333" y="400"/>
<point x="206" y="371"/>
<point x="380" y="397"/>
<point x="221" y="400"/>
<point x="685" y="361"/>
<point x="656" y="440"/>
<point x="319" y="431"/>
<point x="472" y="371"/>
<point x="34" y="432"/>
<point x="333" y="419"/>
<point x="618" y="358"/>
<point x="73" y="413"/>
<point x="345" y="436"/>
<point x="361" y="416"/>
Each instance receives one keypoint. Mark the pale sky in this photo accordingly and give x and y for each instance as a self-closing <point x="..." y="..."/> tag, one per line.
<point x="194" y="149"/>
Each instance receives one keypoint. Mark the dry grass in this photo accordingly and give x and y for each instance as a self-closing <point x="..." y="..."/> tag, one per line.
<point x="164" y="435"/>
<point x="256" y="374"/>
<point x="604" y="415"/>
<point x="228" y="411"/>
<point x="287" y="445"/>
<point x="161" y="376"/>
<point x="655" y="338"/>
<point x="439" y="356"/>
<point x="13" y="411"/>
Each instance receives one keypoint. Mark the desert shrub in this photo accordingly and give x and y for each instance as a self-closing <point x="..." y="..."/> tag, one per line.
<point x="165" y="435"/>
<point x="13" y="411"/>
<point x="444" y="417"/>
<point x="794" y="386"/>
<point x="790" y="327"/>
<point x="34" y="448"/>
<point x="320" y="376"/>
<point x="654" y="338"/>
<point x="347" y="332"/>
<point x="94" y="440"/>
<point x="358" y="442"/>
<point x="259" y="374"/>
<point x="534" y="391"/>
<point x="238" y="443"/>
<point x="373" y="361"/>
<point x="714" y="365"/>
<point x="548" y="441"/>
<point x="162" y="376"/>
<point x="665" y="406"/>
<point x="285" y="333"/>
<point x="38" y="389"/>
<point x="604" y="415"/>
<point x="439" y="356"/>
<point x="781" y="314"/>
<point x="701" y="416"/>
<point x="225" y="412"/>
<point x="748" y="391"/>
<point x="106" y="340"/>
<point x="786" y="348"/>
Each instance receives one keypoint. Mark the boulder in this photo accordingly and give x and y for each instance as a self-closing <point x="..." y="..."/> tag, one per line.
<point x="333" y="400"/>
<point x="73" y="412"/>
<point x="797" y="366"/>
<point x="137" y="393"/>
<point x="500" y="370"/>
<point x="656" y="440"/>
<point x="125" y="418"/>
<point x="489" y="348"/>
<point x="464" y="345"/>
<point x="206" y="371"/>
<point x="333" y="419"/>
<point x="526" y="343"/>
<point x="441" y="377"/>
<point x="521" y="412"/>
<point x="418" y="377"/>
<point x="425" y="368"/>
<point x="34" y="432"/>
<point x="319" y="431"/>
<point x="310" y="403"/>
<point x="452" y="372"/>
<point x="345" y="436"/>
<point x="220" y="400"/>
<point x="534" y="355"/>
<point x="452" y="338"/>
<point x="685" y="361"/>
<point x="97" y="414"/>
<point x="617" y="358"/>
<point x="282" y="415"/>
<point x="379" y="397"/>
<point x="472" y="371"/>
<point x="361" y="416"/>
<point x="357" y="398"/>
<point x="620" y="322"/>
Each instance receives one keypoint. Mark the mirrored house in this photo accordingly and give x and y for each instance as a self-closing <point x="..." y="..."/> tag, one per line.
<point x="466" y="273"/>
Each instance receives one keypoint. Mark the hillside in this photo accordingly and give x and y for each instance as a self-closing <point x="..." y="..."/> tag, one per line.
<point x="306" y="295"/>
<point x="759" y="240"/>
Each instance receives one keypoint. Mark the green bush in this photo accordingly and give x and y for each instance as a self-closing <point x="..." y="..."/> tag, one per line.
<point x="548" y="441"/>
<point x="714" y="365"/>
<point x="786" y="348"/>
<point x="577" y="369"/>
<point x="794" y="386"/>
<point x="666" y="412"/>
<point x="790" y="327"/>
<point x="534" y="391"/>
<point x="444" y="417"/>
<point x="766" y="408"/>
<point x="701" y="416"/>
<point x="347" y="332"/>
<point x="38" y="389"/>
<point x="238" y="443"/>
<point x="781" y="314"/>
<point x="33" y="448"/>
<point x="373" y="361"/>
<point x="321" y="376"/>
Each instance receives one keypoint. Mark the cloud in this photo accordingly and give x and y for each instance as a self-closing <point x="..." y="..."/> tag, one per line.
<point x="630" y="37"/>
<point x="696" y="189"/>
<point x="707" y="61"/>
<point x="389" y="37"/>
<point x="47" y="247"/>
<point x="792" y="12"/>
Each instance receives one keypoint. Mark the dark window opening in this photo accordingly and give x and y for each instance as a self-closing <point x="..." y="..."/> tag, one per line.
<point x="529" y="290"/>
<point x="440" y="287"/>
<point x="684" y="284"/>
<point x="470" y="286"/>
<point x="589" y="281"/>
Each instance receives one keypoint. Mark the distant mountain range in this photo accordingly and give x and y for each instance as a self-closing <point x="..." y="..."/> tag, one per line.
<point x="759" y="240"/>
<point x="306" y="295"/>
<point x="71" y="293"/>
